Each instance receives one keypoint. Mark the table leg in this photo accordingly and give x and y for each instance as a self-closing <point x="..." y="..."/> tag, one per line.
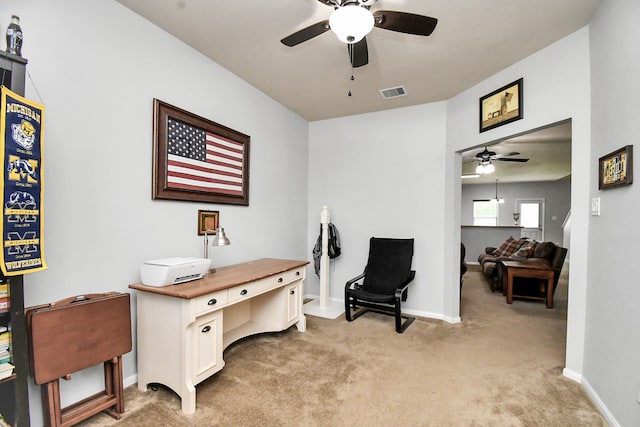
<point x="118" y="385"/>
<point x="509" y="285"/>
<point x="52" y="408"/>
<point x="550" y="291"/>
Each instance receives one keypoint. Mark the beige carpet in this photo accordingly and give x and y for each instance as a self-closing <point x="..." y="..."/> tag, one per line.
<point x="502" y="366"/>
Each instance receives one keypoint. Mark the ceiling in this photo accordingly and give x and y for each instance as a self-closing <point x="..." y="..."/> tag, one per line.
<point x="472" y="41"/>
<point x="548" y="151"/>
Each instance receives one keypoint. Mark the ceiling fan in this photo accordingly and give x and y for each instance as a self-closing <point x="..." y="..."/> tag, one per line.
<point x="352" y="20"/>
<point x="487" y="156"/>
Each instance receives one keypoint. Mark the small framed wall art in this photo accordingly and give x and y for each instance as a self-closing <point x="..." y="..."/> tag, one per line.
<point x="616" y="169"/>
<point x="208" y="220"/>
<point x="197" y="160"/>
<point x="501" y="106"/>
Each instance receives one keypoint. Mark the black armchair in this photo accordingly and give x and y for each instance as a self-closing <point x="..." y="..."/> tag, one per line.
<point x="386" y="279"/>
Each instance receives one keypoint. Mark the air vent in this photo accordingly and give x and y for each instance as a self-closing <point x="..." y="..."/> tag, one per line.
<point x="393" y="92"/>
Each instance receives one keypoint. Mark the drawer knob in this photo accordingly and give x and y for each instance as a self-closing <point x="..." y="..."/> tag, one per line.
<point x="206" y="329"/>
<point x="292" y="292"/>
<point x="297" y="273"/>
<point x="280" y="280"/>
<point x="243" y="292"/>
<point x="212" y="301"/>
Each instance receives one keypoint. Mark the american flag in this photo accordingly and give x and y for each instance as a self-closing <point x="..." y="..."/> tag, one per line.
<point x="202" y="161"/>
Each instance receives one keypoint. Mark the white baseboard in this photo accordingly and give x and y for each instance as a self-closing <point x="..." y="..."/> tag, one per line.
<point x="448" y="319"/>
<point x="429" y="315"/>
<point x="420" y="313"/>
<point x="572" y="375"/>
<point x="600" y="404"/>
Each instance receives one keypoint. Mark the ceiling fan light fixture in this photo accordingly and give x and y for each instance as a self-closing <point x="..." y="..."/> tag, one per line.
<point x="489" y="168"/>
<point x="485" y="168"/>
<point x="351" y="23"/>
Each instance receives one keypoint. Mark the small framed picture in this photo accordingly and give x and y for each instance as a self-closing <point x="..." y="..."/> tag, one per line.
<point x="208" y="220"/>
<point x="501" y="106"/>
<point x="616" y="169"/>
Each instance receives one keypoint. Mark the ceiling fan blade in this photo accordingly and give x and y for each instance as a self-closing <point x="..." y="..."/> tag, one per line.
<point x="509" y="159"/>
<point x="403" y="22"/>
<point x="358" y="53"/>
<point x="306" y="33"/>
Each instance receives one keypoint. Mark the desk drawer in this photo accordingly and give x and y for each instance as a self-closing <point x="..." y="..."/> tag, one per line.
<point x="292" y="275"/>
<point x="249" y="290"/>
<point x="210" y="302"/>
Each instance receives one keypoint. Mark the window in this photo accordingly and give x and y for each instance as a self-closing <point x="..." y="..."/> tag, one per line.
<point x="485" y="212"/>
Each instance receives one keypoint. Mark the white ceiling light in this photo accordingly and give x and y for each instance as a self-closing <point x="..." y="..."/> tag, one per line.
<point x="485" y="168"/>
<point x="351" y="23"/>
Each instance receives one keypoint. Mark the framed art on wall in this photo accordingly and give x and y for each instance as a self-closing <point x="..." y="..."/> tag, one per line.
<point x="207" y="220"/>
<point x="616" y="169"/>
<point x="198" y="160"/>
<point x="501" y="106"/>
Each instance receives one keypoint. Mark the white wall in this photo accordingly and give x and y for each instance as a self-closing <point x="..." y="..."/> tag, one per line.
<point x="556" y="88"/>
<point x="376" y="173"/>
<point x="97" y="67"/>
<point x="352" y="171"/>
<point x="612" y="347"/>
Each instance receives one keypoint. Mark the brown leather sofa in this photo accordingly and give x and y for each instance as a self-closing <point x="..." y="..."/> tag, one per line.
<point x="527" y="251"/>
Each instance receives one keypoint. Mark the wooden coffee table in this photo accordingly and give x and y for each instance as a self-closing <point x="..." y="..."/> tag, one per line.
<point x="531" y="270"/>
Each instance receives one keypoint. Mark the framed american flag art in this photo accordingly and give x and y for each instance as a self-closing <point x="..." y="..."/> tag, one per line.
<point x="195" y="159"/>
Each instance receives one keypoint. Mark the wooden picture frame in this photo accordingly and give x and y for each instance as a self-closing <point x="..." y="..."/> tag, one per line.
<point x="198" y="160"/>
<point x="208" y="220"/>
<point x="501" y="106"/>
<point x="616" y="168"/>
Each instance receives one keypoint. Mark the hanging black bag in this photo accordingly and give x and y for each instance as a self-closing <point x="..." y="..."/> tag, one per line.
<point x="333" y="249"/>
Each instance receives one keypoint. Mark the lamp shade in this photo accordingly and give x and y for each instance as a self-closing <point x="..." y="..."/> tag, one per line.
<point x="351" y="23"/>
<point x="221" y="238"/>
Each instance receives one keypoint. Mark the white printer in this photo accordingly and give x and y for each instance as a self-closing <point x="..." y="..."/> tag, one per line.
<point x="171" y="271"/>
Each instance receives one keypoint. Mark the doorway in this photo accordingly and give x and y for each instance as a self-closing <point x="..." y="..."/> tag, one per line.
<point x="531" y="218"/>
<point x="529" y="187"/>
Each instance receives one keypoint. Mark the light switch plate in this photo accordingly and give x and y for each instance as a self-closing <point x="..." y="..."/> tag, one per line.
<point x="595" y="206"/>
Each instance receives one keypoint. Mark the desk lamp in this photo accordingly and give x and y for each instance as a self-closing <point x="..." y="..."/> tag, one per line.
<point x="219" y="240"/>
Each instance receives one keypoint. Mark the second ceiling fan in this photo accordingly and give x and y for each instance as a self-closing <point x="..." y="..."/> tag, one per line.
<point x="352" y="20"/>
<point x="486" y="156"/>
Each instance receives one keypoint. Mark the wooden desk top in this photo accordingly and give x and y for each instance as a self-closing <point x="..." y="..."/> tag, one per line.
<point x="529" y="265"/>
<point x="225" y="277"/>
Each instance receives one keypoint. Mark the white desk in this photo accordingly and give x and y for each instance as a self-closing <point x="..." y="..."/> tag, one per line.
<point x="183" y="329"/>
